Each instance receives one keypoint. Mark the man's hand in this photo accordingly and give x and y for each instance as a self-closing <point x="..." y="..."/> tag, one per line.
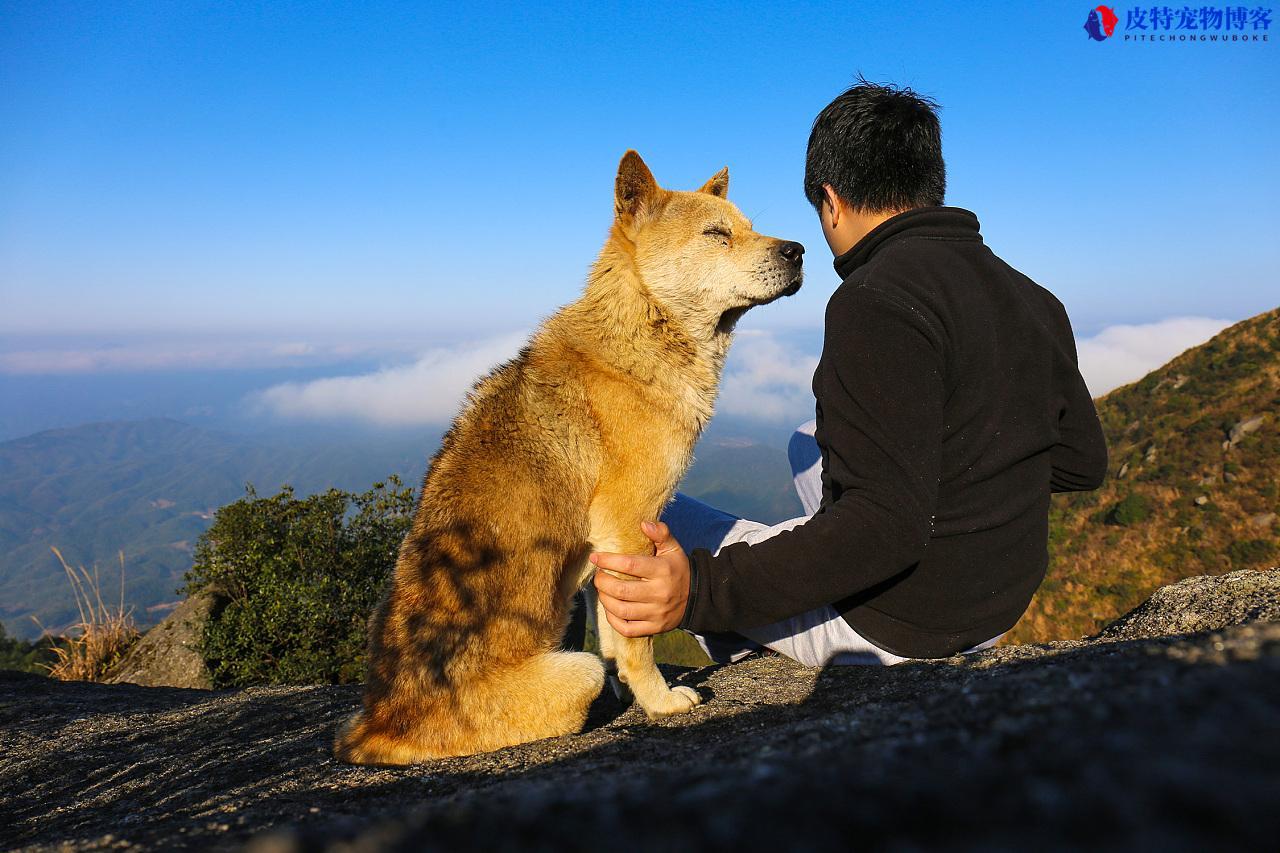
<point x="654" y="599"/>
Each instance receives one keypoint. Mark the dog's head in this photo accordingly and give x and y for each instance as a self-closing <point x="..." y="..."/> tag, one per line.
<point x="695" y="252"/>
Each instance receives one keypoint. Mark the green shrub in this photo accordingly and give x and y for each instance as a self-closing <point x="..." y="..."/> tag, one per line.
<point x="1163" y="472"/>
<point x="1118" y="590"/>
<point x="1200" y="427"/>
<point x="1130" y="510"/>
<point x="26" y="656"/>
<point x="1251" y="553"/>
<point x="302" y="576"/>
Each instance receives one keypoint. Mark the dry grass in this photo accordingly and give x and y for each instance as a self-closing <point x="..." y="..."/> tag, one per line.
<point x="103" y="633"/>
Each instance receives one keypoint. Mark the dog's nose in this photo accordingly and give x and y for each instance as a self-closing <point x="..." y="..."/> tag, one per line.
<point x="791" y="251"/>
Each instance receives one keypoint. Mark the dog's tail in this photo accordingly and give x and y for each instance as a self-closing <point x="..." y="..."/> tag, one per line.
<point x="545" y="696"/>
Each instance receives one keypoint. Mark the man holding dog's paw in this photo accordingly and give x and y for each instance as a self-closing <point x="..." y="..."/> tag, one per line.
<point x="949" y="407"/>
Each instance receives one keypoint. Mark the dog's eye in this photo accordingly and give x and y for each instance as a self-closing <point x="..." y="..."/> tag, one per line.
<point x="716" y="231"/>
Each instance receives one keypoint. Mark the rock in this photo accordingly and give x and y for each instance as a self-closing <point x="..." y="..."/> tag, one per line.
<point x="1243" y="428"/>
<point x="1179" y="381"/>
<point x="1145" y="737"/>
<point x="1203" y="603"/>
<point x="1262" y="520"/>
<point x="1124" y="469"/>
<point x="1229" y="477"/>
<point x="168" y="655"/>
<point x="1150" y="455"/>
<point x="1201" y="500"/>
<point x="1208" y="480"/>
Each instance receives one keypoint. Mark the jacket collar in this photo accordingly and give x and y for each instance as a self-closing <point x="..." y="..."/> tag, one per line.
<point x="951" y="223"/>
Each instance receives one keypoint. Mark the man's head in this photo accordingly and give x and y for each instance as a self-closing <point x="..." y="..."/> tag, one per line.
<point x="875" y="151"/>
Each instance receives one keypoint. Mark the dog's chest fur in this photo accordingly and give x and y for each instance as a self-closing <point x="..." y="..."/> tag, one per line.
<point x="650" y="388"/>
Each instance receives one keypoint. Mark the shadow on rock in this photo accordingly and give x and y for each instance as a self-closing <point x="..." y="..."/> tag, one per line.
<point x="1154" y="742"/>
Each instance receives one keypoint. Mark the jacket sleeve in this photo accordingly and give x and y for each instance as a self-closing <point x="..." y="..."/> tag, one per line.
<point x="1079" y="459"/>
<point x="881" y="390"/>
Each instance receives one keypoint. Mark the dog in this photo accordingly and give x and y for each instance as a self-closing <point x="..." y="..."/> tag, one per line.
<point x="559" y="452"/>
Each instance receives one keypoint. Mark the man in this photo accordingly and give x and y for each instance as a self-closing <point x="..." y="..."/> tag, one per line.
<point x="949" y="407"/>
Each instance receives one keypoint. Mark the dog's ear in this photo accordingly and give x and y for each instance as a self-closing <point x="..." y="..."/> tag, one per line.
<point x="635" y="192"/>
<point x="718" y="185"/>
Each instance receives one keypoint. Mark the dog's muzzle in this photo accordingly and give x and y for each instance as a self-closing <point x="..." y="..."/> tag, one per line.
<point x="793" y="253"/>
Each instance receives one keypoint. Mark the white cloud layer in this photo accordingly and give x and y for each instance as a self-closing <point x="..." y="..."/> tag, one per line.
<point x="144" y="356"/>
<point x="1122" y="354"/>
<point x="428" y="391"/>
<point x="764" y="379"/>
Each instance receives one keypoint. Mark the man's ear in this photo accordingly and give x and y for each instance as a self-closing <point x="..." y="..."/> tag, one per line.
<point x="635" y="192"/>
<point x="718" y="185"/>
<point x="833" y="202"/>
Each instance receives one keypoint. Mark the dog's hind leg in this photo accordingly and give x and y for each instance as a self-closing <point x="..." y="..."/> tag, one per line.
<point x="545" y="696"/>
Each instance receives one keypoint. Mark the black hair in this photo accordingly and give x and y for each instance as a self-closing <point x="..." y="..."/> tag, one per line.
<point x="880" y="148"/>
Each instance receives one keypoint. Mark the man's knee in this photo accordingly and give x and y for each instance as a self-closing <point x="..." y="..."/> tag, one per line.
<point x="802" y="449"/>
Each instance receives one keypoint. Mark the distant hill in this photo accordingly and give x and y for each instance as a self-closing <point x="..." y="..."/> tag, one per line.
<point x="745" y="478"/>
<point x="1193" y="485"/>
<point x="149" y="488"/>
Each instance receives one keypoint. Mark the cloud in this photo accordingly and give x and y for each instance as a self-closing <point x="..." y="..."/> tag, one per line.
<point x="1122" y="354"/>
<point x="763" y="380"/>
<point x="145" y="356"/>
<point x="297" y="348"/>
<point x="428" y="391"/>
<point x="766" y="380"/>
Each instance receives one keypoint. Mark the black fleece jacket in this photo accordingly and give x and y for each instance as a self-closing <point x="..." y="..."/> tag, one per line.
<point x="949" y="406"/>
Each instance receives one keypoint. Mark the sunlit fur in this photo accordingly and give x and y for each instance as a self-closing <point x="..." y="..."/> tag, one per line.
<point x="558" y="452"/>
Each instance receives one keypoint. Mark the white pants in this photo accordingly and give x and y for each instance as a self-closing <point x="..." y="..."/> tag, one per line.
<point x="815" y="638"/>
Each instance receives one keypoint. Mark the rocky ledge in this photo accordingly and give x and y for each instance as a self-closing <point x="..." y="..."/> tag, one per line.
<point x="1163" y="732"/>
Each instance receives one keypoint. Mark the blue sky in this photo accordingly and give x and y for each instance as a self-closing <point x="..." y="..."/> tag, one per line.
<point x="423" y="175"/>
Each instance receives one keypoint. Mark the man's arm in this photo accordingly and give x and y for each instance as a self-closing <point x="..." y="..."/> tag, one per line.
<point x="1079" y="459"/>
<point x="882" y="397"/>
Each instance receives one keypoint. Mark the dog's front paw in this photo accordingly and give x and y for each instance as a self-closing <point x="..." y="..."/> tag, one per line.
<point x="677" y="700"/>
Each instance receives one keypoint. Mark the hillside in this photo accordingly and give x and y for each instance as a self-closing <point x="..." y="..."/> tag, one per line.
<point x="1193" y="485"/>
